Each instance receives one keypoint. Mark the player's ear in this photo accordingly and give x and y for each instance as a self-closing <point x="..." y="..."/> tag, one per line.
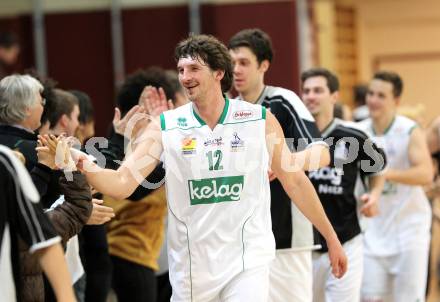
<point x="219" y="74"/>
<point x="335" y="97"/>
<point x="264" y="65"/>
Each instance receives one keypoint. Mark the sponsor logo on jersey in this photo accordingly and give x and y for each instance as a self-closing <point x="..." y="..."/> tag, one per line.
<point x="181" y="122"/>
<point x="334" y="175"/>
<point x="215" y="190"/>
<point x="189" y="146"/>
<point x="237" y="144"/>
<point x="242" y="114"/>
<point x="213" y="142"/>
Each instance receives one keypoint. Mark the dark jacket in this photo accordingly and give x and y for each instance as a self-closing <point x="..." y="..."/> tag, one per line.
<point x="67" y="219"/>
<point x="45" y="180"/>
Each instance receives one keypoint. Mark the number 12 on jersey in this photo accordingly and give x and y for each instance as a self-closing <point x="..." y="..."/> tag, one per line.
<point x="214" y="160"/>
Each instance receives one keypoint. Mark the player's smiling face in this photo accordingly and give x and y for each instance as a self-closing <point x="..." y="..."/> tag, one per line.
<point x="196" y="77"/>
<point x="317" y="96"/>
<point x="380" y="98"/>
<point x="248" y="73"/>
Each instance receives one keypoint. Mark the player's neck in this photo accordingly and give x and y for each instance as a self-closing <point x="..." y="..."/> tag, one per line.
<point x="382" y="123"/>
<point x="323" y="120"/>
<point x="253" y="94"/>
<point x="211" y="111"/>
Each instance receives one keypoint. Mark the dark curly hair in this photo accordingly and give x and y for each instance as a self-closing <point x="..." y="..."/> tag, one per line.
<point x="211" y="51"/>
<point x="131" y="90"/>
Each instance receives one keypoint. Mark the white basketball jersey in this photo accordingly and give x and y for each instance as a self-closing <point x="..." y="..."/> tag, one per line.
<point x="218" y="196"/>
<point x="404" y="216"/>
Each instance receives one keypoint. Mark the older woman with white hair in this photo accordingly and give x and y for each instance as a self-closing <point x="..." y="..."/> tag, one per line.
<point x="21" y="107"/>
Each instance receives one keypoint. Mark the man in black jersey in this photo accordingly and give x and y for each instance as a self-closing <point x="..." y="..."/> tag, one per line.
<point x="353" y="156"/>
<point x="291" y="271"/>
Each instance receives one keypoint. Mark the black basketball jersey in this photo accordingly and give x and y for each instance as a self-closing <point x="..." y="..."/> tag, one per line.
<point x="291" y="229"/>
<point x="354" y="157"/>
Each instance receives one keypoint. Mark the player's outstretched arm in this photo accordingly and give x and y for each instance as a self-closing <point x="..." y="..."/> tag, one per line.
<point x="137" y="165"/>
<point x="301" y="191"/>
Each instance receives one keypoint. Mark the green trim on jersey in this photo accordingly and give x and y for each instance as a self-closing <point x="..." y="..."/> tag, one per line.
<point x="162" y="122"/>
<point x="263" y="112"/>
<point x="198" y="118"/>
<point x="222" y="116"/>
<point x="387" y="128"/>
<point x="225" y="111"/>
<point x="412" y="128"/>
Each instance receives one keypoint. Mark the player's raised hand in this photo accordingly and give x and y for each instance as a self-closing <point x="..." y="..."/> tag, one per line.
<point x="155" y="101"/>
<point x="120" y="124"/>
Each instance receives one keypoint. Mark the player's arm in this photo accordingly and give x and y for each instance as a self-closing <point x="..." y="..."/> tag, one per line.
<point x="433" y="136"/>
<point x="120" y="183"/>
<point x="53" y="263"/>
<point x="421" y="171"/>
<point x="370" y="207"/>
<point x="372" y="164"/>
<point x="300" y="189"/>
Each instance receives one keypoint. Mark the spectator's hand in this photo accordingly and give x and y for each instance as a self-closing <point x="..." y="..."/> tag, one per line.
<point x="370" y="206"/>
<point x="120" y="125"/>
<point x="100" y="214"/>
<point x="50" y="141"/>
<point x="155" y="101"/>
<point x="45" y="156"/>
<point x="58" y="150"/>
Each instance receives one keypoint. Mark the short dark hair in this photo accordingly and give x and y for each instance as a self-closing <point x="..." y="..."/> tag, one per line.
<point x="393" y="78"/>
<point x="256" y="40"/>
<point x="63" y="103"/>
<point x="332" y="79"/>
<point x="85" y="106"/>
<point x="8" y="39"/>
<point x="211" y="51"/>
<point x="131" y="90"/>
<point x="360" y="94"/>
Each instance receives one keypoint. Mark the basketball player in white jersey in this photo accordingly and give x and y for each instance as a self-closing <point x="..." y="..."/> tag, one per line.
<point x="216" y="153"/>
<point x="353" y="157"/>
<point x="397" y="240"/>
